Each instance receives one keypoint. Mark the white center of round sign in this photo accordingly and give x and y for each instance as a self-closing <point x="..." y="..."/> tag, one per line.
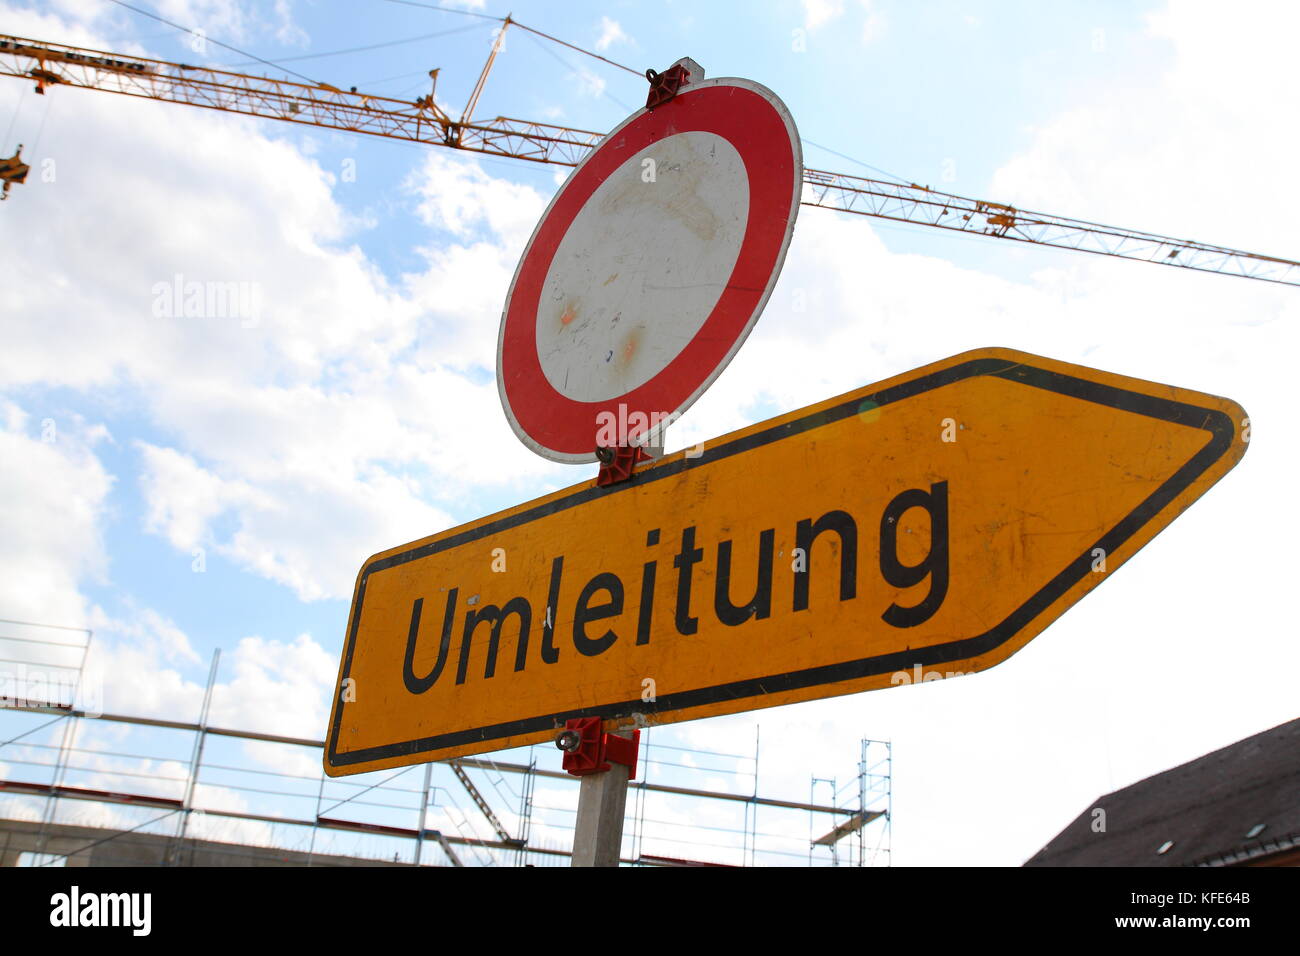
<point x="657" y="230"/>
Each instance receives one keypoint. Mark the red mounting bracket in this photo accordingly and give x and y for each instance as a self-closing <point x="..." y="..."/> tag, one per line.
<point x="588" y="749"/>
<point x="43" y="79"/>
<point x="617" y="464"/>
<point x="664" y="86"/>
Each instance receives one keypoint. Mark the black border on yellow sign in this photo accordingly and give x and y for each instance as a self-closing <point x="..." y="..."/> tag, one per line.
<point x="1214" y="421"/>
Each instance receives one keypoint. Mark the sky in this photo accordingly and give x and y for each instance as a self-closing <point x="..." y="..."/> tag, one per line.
<point x="180" y="484"/>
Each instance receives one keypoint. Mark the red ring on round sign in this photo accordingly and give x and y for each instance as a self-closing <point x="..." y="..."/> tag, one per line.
<point x="748" y="117"/>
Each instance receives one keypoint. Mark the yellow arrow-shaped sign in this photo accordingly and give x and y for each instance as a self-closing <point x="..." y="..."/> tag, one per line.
<point x="927" y="526"/>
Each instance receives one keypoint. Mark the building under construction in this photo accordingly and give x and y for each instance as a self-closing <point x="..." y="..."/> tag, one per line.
<point x="84" y="789"/>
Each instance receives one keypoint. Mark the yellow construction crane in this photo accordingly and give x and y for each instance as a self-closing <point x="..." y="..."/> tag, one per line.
<point x="13" y="170"/>
<point x="422" y="121"/>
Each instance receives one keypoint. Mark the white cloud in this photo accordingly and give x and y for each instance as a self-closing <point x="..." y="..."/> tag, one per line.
<point x="463" y="199"/>
<point x="352" y="416"/>
<point x="231" y="22"/>
<point x="1171" y="159"/>
<point x="221" y="19"/>
<point x="873" y="23"/>
<point x="305" y="528"/>
<point x="138" y="663"/>
<point x="279" y="687"/>
<point x="610" y="33"/>
<point x="142" y="660"/>
<point x="286" y="30"/>
<point x="182" y="497"/>
<point x="818" y="13"/>
<point x="51" y="528"/>
<point x="155" y="634"/>
<point x="589" y="83"/>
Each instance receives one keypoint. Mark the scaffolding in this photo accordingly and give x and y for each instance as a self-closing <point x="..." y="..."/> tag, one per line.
<point x="862" y="835"/>
<point x="150" y="791"/>
<point x="38" y="673"/>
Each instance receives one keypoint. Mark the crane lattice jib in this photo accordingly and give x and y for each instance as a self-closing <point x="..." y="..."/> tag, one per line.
<point x="418" y="121"/>
<point x="919" y="204"/>
<point x="423" y="121"/>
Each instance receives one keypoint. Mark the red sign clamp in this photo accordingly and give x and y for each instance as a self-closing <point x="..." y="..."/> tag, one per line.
<point x="617" y="464"/>
<point x="588" y="749"/>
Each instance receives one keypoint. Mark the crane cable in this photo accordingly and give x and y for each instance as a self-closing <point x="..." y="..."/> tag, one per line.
<point x="18" y="108"/>
<point x="626" y="68"/>
<point x="361" y="49"/>
<point x="40" y="131"/>
<point x="227" y="46"/>
<point x="464" y="13"/>
<point x="253" y="58"/>
<point x="547" y="36"/>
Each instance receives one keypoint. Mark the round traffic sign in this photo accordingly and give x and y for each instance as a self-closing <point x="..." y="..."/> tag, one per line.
<point x="648" y="269"/>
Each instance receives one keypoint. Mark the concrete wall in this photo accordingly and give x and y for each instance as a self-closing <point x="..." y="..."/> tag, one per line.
<point x="95" y="846"/>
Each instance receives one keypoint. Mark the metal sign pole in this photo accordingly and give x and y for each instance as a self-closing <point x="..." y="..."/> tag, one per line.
<point x="605" y="762"/>
<point x="598" y="837"/>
